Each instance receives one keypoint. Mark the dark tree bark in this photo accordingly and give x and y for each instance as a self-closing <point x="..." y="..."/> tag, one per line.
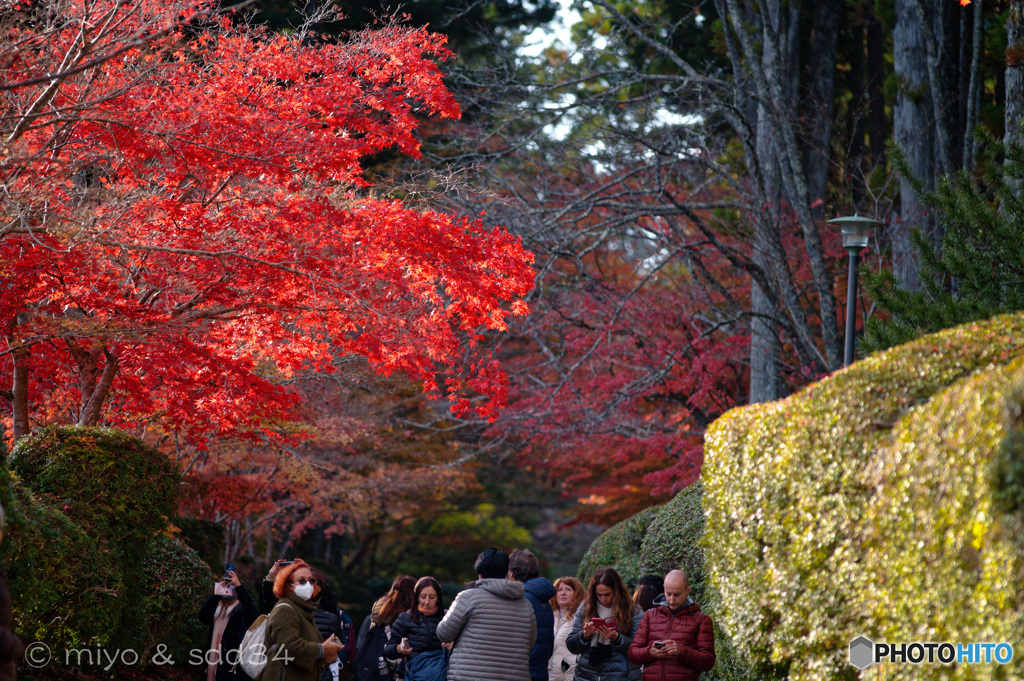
<point x="1014" y="76"/>
<point x="878" y="126"/>
<point x="915" y="133"/>
<point x="819" y="102"/>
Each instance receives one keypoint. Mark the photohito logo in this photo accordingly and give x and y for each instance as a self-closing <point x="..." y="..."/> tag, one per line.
<point x="864" y="652"/>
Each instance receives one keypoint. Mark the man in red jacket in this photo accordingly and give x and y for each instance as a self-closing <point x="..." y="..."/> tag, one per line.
<point x="675" y="640"/>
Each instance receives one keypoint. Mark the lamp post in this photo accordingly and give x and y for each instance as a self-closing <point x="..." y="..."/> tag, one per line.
<point x="856" y="231"/>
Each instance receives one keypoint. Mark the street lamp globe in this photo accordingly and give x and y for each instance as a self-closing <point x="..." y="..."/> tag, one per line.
<point x="856" y="230"/>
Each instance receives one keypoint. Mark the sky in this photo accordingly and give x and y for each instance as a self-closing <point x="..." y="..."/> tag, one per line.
<point x="556" y="31"/>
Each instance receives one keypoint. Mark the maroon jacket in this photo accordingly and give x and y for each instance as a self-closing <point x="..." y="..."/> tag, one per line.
<point x="690" y="627"/>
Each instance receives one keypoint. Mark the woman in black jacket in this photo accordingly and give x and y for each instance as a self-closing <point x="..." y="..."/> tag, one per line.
<point x="229" y="615"/>
<point x="603" y="629"/>
<point x="415" y="631"/>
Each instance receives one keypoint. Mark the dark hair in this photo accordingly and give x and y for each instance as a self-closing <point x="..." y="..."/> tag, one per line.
<point x="657" y="581"/>
<point x="648" y="588"/>
<point x="396" y="601"/>
<point x="523" y="565"/>
<point x="421" y="584"/>
<point x="328" y="601"/>
<point x="492" y="564"/>
<point x="622" y="602"/>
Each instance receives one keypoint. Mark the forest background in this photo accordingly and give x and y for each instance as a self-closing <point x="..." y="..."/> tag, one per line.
<point x="670" y="172"/>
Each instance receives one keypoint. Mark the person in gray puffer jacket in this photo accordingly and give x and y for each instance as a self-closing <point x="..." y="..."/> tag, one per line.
<point x="491" y="624"/>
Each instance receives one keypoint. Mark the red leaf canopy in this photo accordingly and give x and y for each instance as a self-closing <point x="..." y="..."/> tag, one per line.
<point x="184" y="204"/>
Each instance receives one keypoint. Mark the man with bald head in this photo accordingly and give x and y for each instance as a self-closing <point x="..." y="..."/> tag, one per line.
<point x="675" y="640"/>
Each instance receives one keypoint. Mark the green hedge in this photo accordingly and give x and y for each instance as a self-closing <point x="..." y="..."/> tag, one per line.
<point x="111" y="483"/>
<point x="90" y="560"/>
<point x="618" y="546"/>
<point x="884" y="501"/>
<point x="177" y="582"/>
<point x="64" y="588"/>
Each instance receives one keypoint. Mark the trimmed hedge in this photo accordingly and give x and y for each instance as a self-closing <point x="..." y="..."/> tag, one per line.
<point x="178" y="582"/>
<point x="883" y="501"/>
<point x="113" y="484"/>
<point x="91" y="562"/>
<point x="64" y="589"/>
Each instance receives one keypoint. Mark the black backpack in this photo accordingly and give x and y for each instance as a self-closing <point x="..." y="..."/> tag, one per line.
<point x="370" y="649"/>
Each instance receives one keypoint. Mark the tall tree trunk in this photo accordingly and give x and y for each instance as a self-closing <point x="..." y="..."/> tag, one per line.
<point x="878" y="127"/>
<point x="973" y="96"/>
<point x="1014" y="78"/>
<point x="764" y="339"/>
<point x="93" y="382"/>
<point x="819" y="103"/>
<point x="915" y="133"/>
<point x="19" y="395"/>
<point x="19" y="380"/>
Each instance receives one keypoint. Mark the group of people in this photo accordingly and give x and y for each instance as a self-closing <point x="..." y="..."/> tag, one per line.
<point x="510" y="624"/>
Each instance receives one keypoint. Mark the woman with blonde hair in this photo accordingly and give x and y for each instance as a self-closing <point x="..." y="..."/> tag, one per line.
<point x="602" y="630"/>
<point x="568" y="596"/>
<point x="295" y="651"/>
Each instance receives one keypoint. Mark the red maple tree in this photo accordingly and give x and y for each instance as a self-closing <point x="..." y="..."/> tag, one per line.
<point x="186" y="227"/>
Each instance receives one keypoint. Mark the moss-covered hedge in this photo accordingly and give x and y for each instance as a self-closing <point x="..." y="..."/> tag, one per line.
<point x="884" y="501"/>
<point x="89" y="556"/>
<point x="64" y="589"/>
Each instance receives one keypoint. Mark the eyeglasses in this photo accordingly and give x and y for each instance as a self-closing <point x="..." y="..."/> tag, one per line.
<point x="302" y="581"/>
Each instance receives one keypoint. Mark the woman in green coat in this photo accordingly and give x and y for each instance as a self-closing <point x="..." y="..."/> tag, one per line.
<point x="295" y="651"/>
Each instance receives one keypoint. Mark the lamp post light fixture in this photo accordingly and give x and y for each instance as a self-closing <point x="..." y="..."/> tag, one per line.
<point x="856" y="231"/>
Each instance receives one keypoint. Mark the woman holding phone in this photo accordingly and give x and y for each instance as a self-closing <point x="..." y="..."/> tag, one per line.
<point x="415" y="630"/>
<point x="602" y="630"/>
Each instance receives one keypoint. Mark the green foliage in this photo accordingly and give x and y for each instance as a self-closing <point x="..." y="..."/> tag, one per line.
<point x="117" y="488"/>
<point x="448" y="543"/>
<point x="177" y="582"/>
<point x="619" y="547"/>
<point x="978" y="270"/>
<point x="64" y="587"/>
<point x="90" y="562"/>
<point x="663" y="538"/>
<point x="113" y="484"/>
<point x="822" y="509"/>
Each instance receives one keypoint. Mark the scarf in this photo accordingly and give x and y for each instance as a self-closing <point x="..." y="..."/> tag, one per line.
<point x="220" y="623"/>
<point x="606" y="613"/>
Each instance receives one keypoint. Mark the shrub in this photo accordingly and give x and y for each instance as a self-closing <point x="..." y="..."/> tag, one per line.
<point x="115" y="485"/>
<point x="866" y="504"/>
<point x="64" y="588"/>
<point x="177" y="582"/>
<point x="619" y="547"/>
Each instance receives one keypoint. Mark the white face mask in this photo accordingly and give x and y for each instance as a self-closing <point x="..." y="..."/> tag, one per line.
<point x="304" y="591"/>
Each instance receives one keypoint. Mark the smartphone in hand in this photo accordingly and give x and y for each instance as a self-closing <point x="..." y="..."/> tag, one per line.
<point x="659" y="644"/>
<point x="604" y="622"/>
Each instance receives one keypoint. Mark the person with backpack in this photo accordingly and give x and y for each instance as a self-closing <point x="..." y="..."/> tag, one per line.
<point x="328" y="618"/>
<point x="415" y="630"/>
<point x="370" y="651"/>
<point x="294" y="648"/>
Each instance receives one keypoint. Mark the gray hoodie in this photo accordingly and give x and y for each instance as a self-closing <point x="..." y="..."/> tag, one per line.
<point x="493" y="627"/>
